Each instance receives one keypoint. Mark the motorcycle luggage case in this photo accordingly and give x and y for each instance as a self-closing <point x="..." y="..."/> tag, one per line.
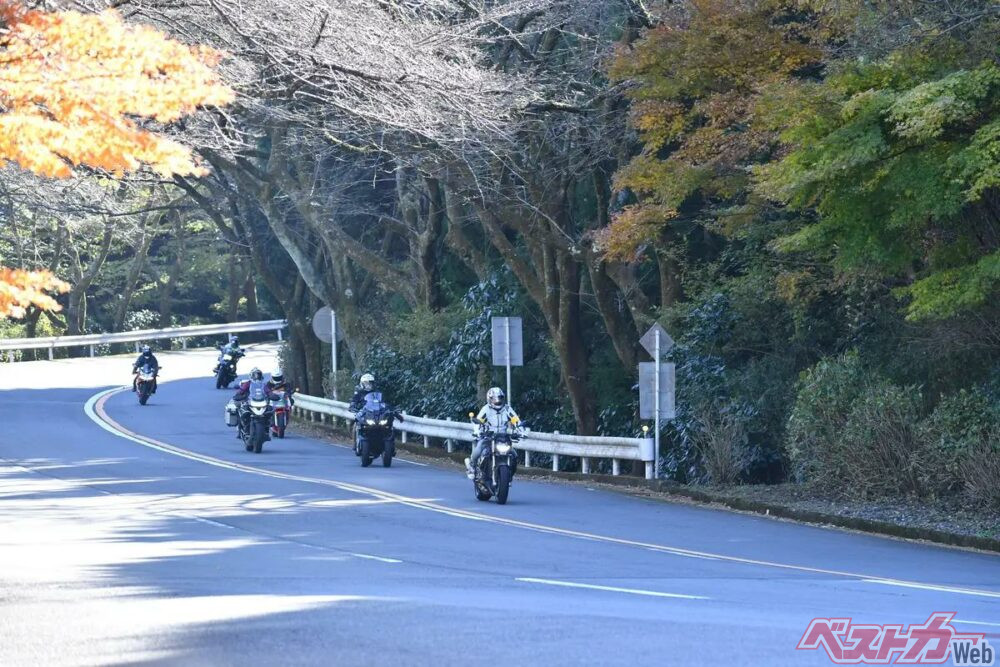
<point x="231" y="417"/>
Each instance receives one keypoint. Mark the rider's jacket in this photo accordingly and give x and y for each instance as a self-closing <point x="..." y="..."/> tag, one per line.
<point x="244" y="390"/>
<point x="145" y="359"/>
<point x="496" y="419"/>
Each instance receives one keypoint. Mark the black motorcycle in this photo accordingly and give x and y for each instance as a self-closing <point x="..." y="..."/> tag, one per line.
<point x="225" y="370"/>
<point x="255" y="417"/>
<point x="374" y="433"/>
<point x="496" y="467"/>
<point x="144" y="383"/>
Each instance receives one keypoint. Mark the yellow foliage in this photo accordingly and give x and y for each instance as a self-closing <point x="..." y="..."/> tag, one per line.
<point x="20" y="289"/>
<point x="72" y="86"/>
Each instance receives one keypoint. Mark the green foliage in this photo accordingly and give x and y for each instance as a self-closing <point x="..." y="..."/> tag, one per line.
<point x="856" y="434"/>
<point x="896" y="169"/>
<point x="445" y="368"/>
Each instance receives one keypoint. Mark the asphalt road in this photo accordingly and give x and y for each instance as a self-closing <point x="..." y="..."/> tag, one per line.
<point x="179" y="547"/>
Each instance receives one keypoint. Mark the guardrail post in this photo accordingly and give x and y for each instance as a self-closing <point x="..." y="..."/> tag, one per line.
<point x="427" y="441"/>
<point x="184" y="343"/>
<point x="402" y="431"/>
<point x="649" y="470"/>
<point x="51" y="355"/>
<point x="527" y="458"/>
<point x="91" y="350"/>
<point x="585" y="465"/>
<point x="449" y="444"/>
<point x="137" y="347"/>
<point x="279" y="336"/>
<point x="616" y="467"/>
<point x="555" y="457"/>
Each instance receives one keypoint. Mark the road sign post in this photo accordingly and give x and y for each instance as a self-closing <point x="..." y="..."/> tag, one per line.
<point x="324" y="324"/>
<point x="508" y="349"/>
<point x="333" y="351"/>
<point x="656" y="386"/>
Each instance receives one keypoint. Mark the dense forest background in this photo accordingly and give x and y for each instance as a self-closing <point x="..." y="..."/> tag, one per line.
<point x="805" y="193"/>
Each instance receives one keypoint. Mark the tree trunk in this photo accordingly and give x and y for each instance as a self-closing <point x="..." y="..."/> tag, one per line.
<point x="83" y="278"/>
<point x="250" y="291"/>
<point x="233" y="289"/>
<point x="168" y="288"/>
<point x="132" y="278"/>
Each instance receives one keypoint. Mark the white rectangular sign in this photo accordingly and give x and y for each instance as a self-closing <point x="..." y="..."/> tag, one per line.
<point x="647" y="390"/>
<point x="501" y="327"/>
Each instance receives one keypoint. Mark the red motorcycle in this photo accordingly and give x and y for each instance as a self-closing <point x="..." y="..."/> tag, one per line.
<point x="282" y="413"/>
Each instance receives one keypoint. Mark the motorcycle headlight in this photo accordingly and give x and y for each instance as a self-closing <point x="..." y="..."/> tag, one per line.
<point x="503" y="448"/>
<point x="228" y="357"/>
<point x="383" y="422"/>
<point x="370" y="422"/>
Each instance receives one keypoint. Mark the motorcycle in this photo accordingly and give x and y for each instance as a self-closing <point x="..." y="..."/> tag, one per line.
<point x="254" y="418"/>
<point x="225" y="370"/>
<point x="374" y="435"/>
<point x="498" y="463"/>
<point x="282" y="412"/>
<point x="145" y="381"/>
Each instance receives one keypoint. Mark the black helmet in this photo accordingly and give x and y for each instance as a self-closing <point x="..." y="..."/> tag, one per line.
<point x="146" y="351"/>
<point x="256" y="374"/>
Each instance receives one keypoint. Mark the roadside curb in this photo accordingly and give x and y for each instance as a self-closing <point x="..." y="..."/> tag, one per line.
<point x="673" y="489"/>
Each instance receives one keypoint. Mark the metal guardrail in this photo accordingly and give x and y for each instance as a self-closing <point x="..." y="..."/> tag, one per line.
<point x="586" y="448"/>
<point x="52" y="342"/>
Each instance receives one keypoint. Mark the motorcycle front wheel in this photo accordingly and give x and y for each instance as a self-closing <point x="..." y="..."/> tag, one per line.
<point x="366" y="455"/>
<point x="503" y="484"/>
<point x="257" y="434"/>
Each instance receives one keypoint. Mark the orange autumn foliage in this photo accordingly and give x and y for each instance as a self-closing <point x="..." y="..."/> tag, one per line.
<point x="73" y="88"/>
<point x="20" y="289"/>
<point x="73" y="85"/>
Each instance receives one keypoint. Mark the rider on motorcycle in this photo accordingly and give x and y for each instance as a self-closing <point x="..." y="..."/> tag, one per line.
<point x="243" y="392"/>
<point x="147" y="358"/>
<point x="277" y="383"/>
<point x="232" y="347"/>
<point x="495" y="416"/>
<point x="365" y="385"/>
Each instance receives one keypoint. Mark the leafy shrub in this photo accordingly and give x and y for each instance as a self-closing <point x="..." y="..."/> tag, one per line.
<point x="880" y="450"/>
<point x="964" y="432"/>
<point x="855" y="433"/>
<point x="819" y="415"/>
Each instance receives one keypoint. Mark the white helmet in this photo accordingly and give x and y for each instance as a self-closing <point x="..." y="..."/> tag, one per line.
<point x="495" y="397"/>
<point x="277" y="376"/>
<point x="367" y="381"/>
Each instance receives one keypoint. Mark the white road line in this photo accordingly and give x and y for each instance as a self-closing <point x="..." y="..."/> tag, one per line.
<point x="994" y="625"/>
<point x="381" y="559"/>
<point x="611" y="589"/>
<point x="95" y="411"/>
<point x="932" y="587"/>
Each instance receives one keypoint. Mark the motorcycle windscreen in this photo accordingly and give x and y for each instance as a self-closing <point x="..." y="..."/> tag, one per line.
<point x="256" y="391"/>
<point x="373" y="402"/>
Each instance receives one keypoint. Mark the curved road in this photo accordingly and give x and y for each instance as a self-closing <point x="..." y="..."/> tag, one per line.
<point x="147" y="535"/>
